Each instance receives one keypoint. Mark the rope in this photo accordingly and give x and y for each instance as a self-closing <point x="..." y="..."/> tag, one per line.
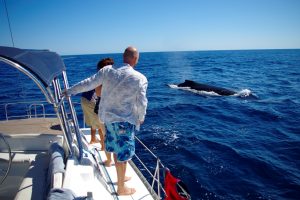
<point x="148" y="150"/>
<point x="7" y="16"/>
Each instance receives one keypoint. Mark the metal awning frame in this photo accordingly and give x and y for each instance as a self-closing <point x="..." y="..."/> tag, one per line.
<point x="52" y="93"/>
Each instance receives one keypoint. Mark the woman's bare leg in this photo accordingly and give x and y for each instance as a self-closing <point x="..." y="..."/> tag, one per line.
<point x="101" y="134"/>
<point x="93" y="136"/>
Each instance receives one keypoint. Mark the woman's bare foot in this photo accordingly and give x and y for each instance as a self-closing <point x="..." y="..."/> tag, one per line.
<point x="108" y="163"/>
<point x="126" y="191"/>
<point x="93" y="141"/>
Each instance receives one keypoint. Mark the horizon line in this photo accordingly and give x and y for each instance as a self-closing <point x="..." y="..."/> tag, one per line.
<point x="170" y="51"/>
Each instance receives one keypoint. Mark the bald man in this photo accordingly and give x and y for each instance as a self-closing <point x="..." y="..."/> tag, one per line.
<point x="122" y="109"/>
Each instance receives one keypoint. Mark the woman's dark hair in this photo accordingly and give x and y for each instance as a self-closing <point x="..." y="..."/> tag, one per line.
<point x="106" y="61"/>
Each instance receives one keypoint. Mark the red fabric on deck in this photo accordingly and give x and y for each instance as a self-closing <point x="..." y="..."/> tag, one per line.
<point x="170" y="187"/>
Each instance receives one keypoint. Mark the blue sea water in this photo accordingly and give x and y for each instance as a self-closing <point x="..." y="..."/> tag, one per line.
<point x="221" y="147"/>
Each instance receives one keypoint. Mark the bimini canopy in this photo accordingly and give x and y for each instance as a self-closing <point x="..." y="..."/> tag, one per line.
<point x="44" y="64"/>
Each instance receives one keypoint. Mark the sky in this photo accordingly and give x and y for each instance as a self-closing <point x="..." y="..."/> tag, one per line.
<point x="109" y="26"/>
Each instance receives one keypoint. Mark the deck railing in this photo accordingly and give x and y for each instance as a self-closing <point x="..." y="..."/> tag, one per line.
<point x="156" y="176"/>
<point x="157" y="185"/>
<point x="34" y="109"/>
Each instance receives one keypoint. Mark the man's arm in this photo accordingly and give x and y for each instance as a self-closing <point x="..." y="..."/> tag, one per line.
<point x="142" y="101"/>
<point x="87" y="84"/>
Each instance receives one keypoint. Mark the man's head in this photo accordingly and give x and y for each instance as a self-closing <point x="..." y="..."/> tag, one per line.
<point x="104" y="62"/>
<point x="131" y="56"/>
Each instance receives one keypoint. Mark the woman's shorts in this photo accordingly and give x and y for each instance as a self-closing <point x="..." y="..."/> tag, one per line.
<point x="119" y="139"/>
<point x="91" y="118"/>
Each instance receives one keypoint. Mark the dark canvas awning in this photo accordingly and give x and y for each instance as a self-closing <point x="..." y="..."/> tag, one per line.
<point x="44" y="64"/>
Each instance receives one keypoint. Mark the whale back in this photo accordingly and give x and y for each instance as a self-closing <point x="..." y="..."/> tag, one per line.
<point x="203" y="87"/>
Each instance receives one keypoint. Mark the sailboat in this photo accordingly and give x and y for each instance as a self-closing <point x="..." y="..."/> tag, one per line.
<point x="47" y="156"/>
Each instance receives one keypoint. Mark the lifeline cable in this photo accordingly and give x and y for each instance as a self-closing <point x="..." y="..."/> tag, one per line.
<point x="11" y="36"/>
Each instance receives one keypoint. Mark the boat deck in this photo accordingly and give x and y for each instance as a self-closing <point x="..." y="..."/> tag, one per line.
<point x="20" y="134"/>
<point x="31" y="126"/>
<point x="136" y="182"/>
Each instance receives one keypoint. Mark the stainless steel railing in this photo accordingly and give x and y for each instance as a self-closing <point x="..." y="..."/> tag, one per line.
<point x="156" y="177"/>
<point x="31" y="109"/>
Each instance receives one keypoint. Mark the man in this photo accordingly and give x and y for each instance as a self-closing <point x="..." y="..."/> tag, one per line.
<point x="122" y="108"/>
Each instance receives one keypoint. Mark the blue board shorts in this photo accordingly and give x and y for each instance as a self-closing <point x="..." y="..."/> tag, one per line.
<point x="119" y="139"/>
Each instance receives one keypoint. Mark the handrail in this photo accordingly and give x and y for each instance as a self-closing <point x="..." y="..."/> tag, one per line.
<point x="29" y="105"/>
<point x="35" y="111"/>
<point x="147" y="148"/>
<point x="156" y="175"/>
<point x="73" y="116"/>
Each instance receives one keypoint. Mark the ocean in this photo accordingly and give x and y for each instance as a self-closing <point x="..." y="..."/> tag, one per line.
<point x="245" y="146"/>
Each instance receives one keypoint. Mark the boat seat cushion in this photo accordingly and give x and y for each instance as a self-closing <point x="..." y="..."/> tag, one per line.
<point x="34" y="185"/>
<point x="62" y="194"/>
<point x="56" y="165"/>
<point x="39" y="177"/>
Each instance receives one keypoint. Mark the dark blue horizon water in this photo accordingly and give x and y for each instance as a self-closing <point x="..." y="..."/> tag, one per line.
<point x="231" y="147"/>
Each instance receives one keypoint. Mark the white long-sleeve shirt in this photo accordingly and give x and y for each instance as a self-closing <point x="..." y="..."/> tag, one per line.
<point x="123" y="96"/>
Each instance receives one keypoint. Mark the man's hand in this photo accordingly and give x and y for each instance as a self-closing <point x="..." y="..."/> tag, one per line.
<point x="65" y="93"/>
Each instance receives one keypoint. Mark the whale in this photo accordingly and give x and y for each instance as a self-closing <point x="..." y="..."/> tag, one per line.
<point x="208" y="88"/>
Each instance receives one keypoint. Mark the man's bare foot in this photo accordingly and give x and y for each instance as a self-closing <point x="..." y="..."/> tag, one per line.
<point x="126" y="191"/>
<point x="108" y="163"/>
<point x="127" y="178"/>
<point x="102" y="147"/>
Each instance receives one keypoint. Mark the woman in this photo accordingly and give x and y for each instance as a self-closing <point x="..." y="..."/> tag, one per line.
<point x="89" y="100"/>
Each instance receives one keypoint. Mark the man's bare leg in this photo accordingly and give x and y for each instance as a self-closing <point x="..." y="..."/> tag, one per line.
<point x="108" y="162"/>
<point x="121" y="170"/>
<point x="127" y="178"/>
